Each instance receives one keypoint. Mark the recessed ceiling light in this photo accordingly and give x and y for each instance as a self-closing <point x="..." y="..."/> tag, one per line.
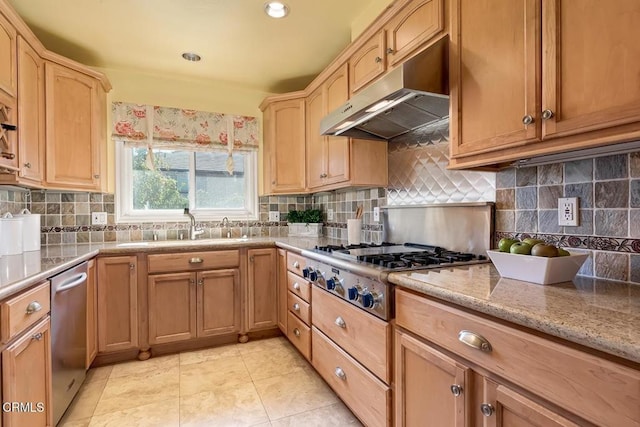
<point x="190" y="56"/>
<point x="276" y="9"/>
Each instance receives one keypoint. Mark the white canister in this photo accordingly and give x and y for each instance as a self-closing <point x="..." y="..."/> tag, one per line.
<point x="30" y="230"/>
<point x="11" y="232"/>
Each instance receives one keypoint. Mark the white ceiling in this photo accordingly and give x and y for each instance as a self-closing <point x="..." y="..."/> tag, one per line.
<point x="238" y="42"/>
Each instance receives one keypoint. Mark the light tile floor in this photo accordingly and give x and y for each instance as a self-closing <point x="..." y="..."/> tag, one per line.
<point x="261" y="383"/>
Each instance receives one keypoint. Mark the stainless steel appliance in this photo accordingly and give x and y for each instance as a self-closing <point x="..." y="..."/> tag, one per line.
<point x="68" y="336"/>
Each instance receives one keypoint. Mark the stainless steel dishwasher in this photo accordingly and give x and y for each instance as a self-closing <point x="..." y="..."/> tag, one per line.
<point x="68" y="336"/>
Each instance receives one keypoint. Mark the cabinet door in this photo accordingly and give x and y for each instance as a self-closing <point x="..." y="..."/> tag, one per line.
<point x="30" y="113"/>
<point x="172" y="307"/>
<point x="92" y="310"/>
<point x="219" y="301"/>
<point x="117" y="303"/>
<point x="73" y="126"/>
<point x="418" y="22"/>
<point x="591" y="65"/>
<point x="495" y="62"/>
<point x="503" y="407"/>
<point x="315" y="161"/>
<point x="286" y="139"/>
<point x="26" y="378"/>
<point x="431" y="388"/>
<point x="282" y="290"/>
<point x="336" y="92"/>
<point x="368" y="62"/>
<point x="261" y="280"/>
<point x="8" y="67"/>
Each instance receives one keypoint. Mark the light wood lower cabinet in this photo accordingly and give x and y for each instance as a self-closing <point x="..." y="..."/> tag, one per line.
<point x="117" y="303"/>
<point x="262" y="307"/>
<point x="520" y="379"/>
<point x="92" y="311"/>
<point x="26" y="379"/>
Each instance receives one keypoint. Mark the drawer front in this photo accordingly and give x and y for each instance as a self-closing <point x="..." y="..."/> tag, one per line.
<point x="300" y="308"/>
<point x="299" y="286"/>
<point x="299" y="334"/>
<point x="296" y="263"/>
<point x="367" y="396"/>
<point x="596" y="389"/>
<point x="22" y="311"/>
<point x="362" y="335"/>
<point x="190" y="261"/>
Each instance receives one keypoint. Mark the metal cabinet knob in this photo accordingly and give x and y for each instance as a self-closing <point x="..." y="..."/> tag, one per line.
<point x="27" y="165"/>
<point x="296" y="286"/>
<point x="378" y="60"/>
<point x="390" y="51"/>
<point x="296" y="306"/>
<point x="33" y="307"/>
<point x="96" y="176"/>
<point x="547" y="114"/>
<point x="456" y="390"/>
<point x="340" y="373"/>
<point x="475" y="341"/>
<point x="201" y="282"/>
<point x="296" y="332"/>
<point x="37" y="336"/>
<point x="527" y="120"/>
<point x="296" y="264"/>
<point x="132" y="266"/>
<point x="487" y="409"/>
<point x="196" y="261"/>
<point x="340" y="322"/>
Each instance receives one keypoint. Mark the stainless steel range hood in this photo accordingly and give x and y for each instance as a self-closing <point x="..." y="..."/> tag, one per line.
<point x="406" y="98"/>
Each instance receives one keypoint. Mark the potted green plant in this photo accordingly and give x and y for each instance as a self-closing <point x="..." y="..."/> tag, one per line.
<point x="305" y="223"/>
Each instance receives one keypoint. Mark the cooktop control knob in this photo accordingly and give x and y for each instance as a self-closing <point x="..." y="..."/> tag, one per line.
<point x="369" y="299"/>
<point x="331" y="283"/>
<point x="305" y="272"/>
<point x="354" y="292"/>
<point x="313" y="275"/>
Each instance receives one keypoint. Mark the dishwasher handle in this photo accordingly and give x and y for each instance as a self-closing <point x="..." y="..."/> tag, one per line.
<point x="72" y="283"/>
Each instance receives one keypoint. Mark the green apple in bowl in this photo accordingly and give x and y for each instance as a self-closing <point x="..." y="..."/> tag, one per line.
<point x="563" y="252"/>
<point x="542" y="249"/>
<point x="520" y="248"/>
<point x="532" y="241"/>
<point x="505" y="244"/>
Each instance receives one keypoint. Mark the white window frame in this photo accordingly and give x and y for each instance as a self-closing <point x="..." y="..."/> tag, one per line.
<point x="124" y="198"/>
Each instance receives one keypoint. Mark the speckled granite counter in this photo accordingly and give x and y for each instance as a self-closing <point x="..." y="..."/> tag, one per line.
<point x="18" y="272"/>
<point x="600" y="314"/>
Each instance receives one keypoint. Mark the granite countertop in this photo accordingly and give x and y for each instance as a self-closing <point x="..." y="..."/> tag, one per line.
<point x="18" y="272"/>
<point x="597" y="313"/>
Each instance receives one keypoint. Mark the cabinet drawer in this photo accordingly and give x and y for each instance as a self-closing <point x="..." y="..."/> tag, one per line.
<point x="362" y="335"/>
<point x="367" y="396"/>
<point x="22" y="311"/>
<point x="296" y="263"/>
<point x="299" y="286"/>
<point x="189" y="261"/>
<point x="299" y="334"/>
<point x="299" y="307"/>
<point x="594" y="388"/>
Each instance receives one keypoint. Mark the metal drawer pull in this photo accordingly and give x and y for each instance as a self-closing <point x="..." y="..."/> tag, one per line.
<point x="340" y="322"/>
<point x="37" y="336"/>
<point x="340" y="373"/>
<point x="474" y="340"/>
<point x="296" y="332"/>
<point x="456" y="390"/>
<point x="296" y="264"/>
<point x="296" y="306"/>
<point x="196" y="261"/>
<point x="33" y="307"/>
<point x="486" y="409"/>
<point x="296" y="286"/>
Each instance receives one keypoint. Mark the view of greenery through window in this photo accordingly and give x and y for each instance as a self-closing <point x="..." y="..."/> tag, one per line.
<point x="168" y="186"/>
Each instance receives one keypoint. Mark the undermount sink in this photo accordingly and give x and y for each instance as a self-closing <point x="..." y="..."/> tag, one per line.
<point x="128" y="244"/>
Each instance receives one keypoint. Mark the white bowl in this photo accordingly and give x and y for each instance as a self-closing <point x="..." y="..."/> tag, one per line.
<point x="537" y="269"/>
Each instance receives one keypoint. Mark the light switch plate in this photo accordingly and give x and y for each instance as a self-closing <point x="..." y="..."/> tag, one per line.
<point x="568" y="211"/>
<point x="98" y="218"/>
<point x="274" y="216"/>
<point x="376" y="214"/>
<point x="329" y="214"/>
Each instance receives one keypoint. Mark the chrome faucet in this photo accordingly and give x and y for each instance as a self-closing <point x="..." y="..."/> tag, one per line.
<point x="225" y="224"/>
<point x="194" y="232"/>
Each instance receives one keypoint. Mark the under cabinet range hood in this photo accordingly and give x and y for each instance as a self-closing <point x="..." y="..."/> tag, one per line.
<point x="408" y="97"/>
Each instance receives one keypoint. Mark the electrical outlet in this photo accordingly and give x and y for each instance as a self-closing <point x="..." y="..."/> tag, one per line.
<point x="376" y="214"/>
<point x="98" y="218"/>
<point x="274" y="216"/>
<point x="329" y="214"/>
<point x="568" y="212"/>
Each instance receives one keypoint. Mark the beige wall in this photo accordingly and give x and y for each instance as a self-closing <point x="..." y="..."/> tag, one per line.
<point x="367" y="16"/>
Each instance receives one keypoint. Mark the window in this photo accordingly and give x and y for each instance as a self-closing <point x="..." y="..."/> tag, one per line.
<point x="182" y="178"/>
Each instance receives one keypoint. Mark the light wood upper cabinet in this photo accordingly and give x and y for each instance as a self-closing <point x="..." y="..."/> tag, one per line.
<point x="8" y="73"/>
<point x="537" y="77"/>
<point x="261" y="305"/>
<point x="117" y="303"/>
<point x="31" y="138"/>
<point x="368" y="62"/>
<point x="316" y="143"/>
<point x="26" y="377"/>
<point x="74" y="129"/>
<point x="412" y="27"/>
<point x="284" y="146"/>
